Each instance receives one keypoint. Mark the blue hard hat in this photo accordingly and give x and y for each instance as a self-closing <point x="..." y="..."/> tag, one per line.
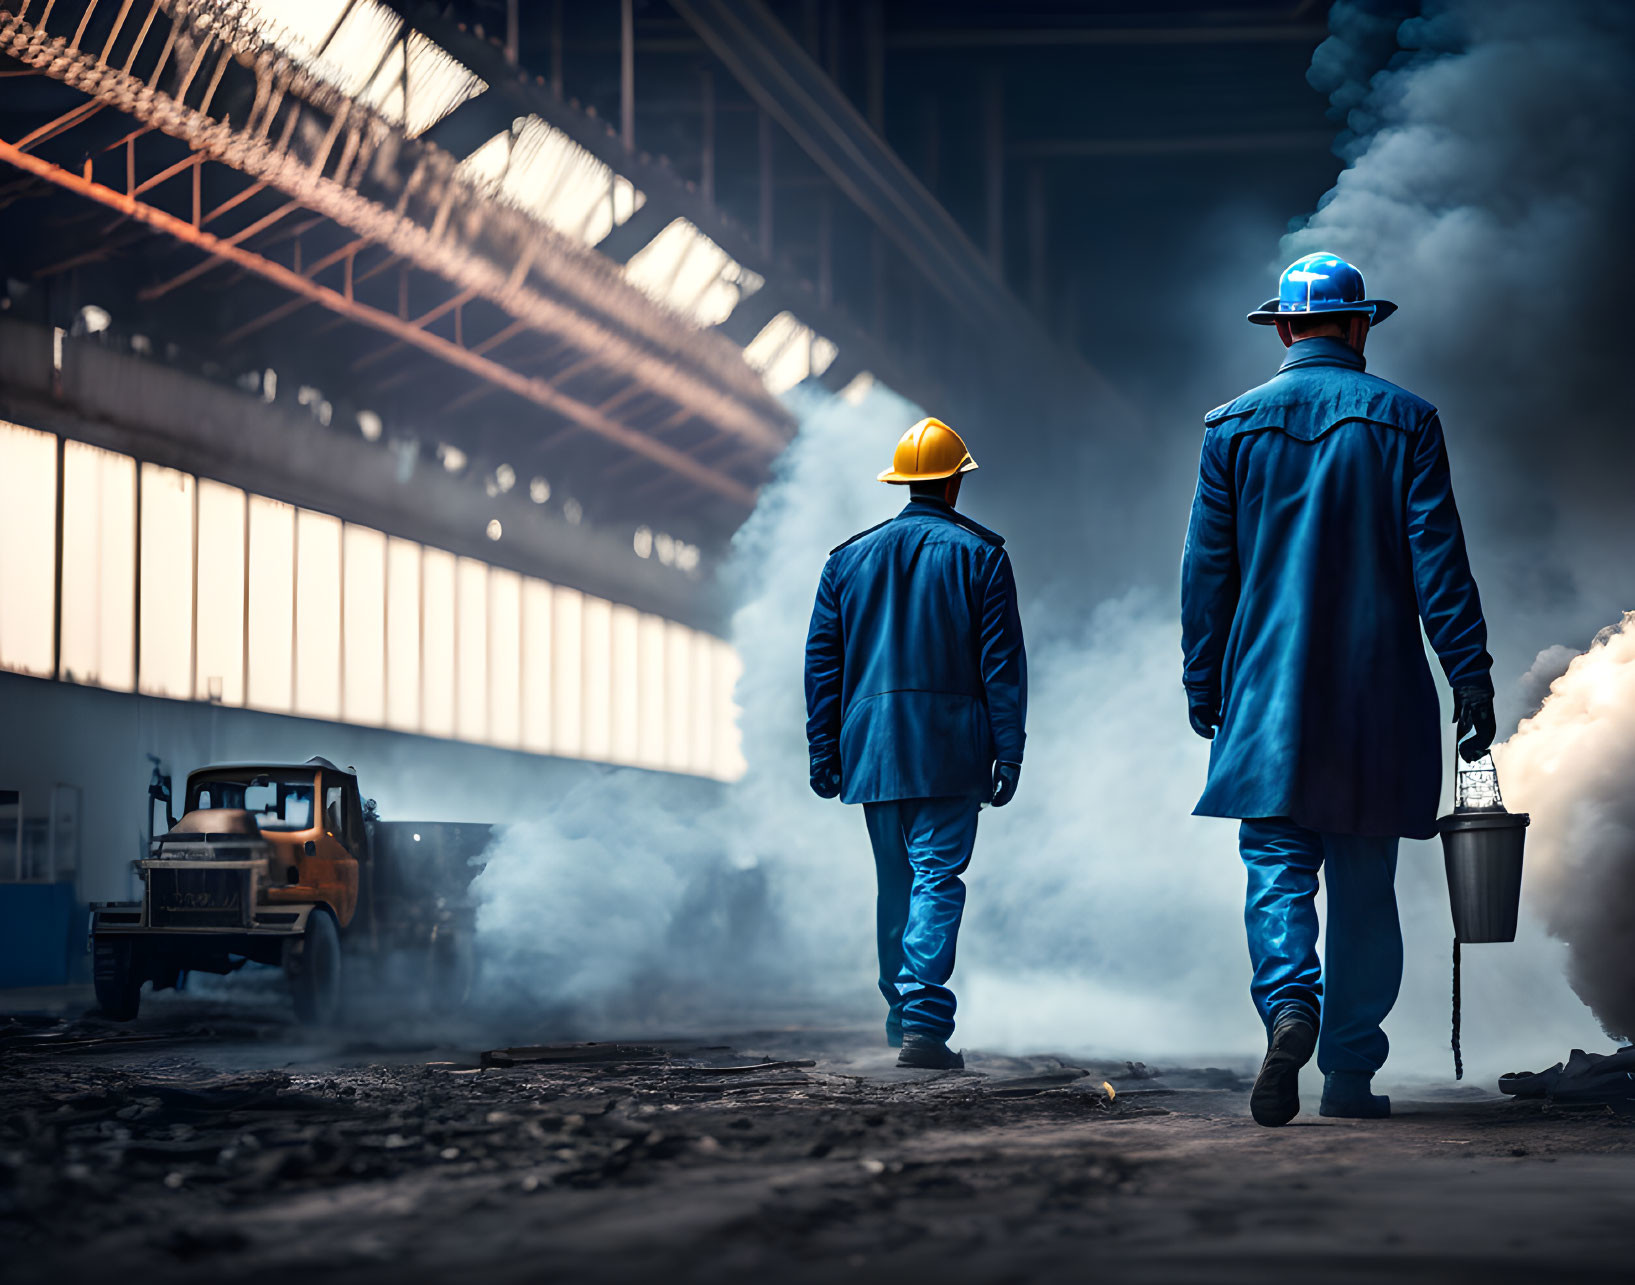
<point x="1321" y="282"/>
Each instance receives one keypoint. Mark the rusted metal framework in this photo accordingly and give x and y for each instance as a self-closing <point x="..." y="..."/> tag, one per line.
<point x="264" y="180"/>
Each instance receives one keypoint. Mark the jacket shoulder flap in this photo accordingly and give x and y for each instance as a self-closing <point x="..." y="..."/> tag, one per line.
<point x="977" y="529"/>
<point x="1307" y="409"/>
<point x="854" y="539"/>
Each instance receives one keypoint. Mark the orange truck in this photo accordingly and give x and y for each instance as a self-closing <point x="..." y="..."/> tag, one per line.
<point x="287" y="864"/>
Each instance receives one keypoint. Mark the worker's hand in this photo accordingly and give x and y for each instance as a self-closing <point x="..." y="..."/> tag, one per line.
<point x="1005" y="778"/>
<point x="1473" y="712"/>
<point x="825" y="777"/>
<point x="1203" y="712"/>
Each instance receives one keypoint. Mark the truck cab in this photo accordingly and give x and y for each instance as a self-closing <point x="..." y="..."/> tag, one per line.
<point x="263" y="865"/>
<point x="309" y="816"/>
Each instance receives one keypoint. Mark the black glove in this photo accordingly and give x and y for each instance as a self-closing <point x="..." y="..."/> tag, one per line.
<point x="1473" y="712"/>
<point x="826" y="777"/>
<point x="1204" y="714"/>
<point x="1005" y="778"/>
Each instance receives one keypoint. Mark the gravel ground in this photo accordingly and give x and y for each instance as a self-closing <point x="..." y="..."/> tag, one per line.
<point x="208" y="1143"/>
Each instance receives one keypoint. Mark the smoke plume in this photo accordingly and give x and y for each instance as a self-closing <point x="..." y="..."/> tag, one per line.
<point x="1487" y="191"/>
<point x="1572" y="766"/>
<point x="1490" y="190"/>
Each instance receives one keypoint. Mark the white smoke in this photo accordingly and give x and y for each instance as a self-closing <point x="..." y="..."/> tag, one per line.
<point x="631" y="899"/>
<point x="1103" y="918"/>
<point x="1572" y="766"/>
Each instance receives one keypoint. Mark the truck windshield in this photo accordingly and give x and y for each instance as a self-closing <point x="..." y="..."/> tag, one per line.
<point x="277" y="803"/>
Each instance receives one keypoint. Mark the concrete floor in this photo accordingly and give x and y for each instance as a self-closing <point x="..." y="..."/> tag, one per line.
<point x="211" y="1141"/>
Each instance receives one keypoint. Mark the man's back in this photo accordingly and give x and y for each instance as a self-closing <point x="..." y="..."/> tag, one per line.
<point x="915" y="667"/>
<point x="1323" y="531"/>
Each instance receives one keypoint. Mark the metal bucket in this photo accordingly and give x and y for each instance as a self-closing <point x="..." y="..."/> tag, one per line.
<point x="1482" y="850"/>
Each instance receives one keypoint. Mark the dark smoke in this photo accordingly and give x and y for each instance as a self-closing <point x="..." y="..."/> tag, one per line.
<point x="1490" y="192"/>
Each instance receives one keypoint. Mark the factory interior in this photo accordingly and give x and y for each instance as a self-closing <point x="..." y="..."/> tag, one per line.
<point x="423" y="424"/>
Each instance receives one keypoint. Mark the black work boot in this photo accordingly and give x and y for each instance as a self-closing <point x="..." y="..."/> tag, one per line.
<point x="928" y="1053"/>
<point x="1346" y="1096"/>
<point x="1275" y="1098"/>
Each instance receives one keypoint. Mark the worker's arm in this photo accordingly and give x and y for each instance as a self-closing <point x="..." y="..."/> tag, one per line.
<point x="1004" y="661"/>
<point x="825" y="662"/>
<point x="1448" y="602"/>
<point x="1209" y="582"/>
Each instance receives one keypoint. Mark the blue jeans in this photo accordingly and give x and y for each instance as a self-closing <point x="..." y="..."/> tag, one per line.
<point x="921" y="847"/>
<point x="1353" y="990"/>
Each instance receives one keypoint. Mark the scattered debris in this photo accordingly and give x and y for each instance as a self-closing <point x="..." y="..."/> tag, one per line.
<point x="562" y="1054"/>
<point x="1586" y="1079"/>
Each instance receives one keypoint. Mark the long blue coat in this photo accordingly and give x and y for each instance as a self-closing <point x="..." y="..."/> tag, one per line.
<point x="1323" y="532"/>
<point x="916" y="675"/>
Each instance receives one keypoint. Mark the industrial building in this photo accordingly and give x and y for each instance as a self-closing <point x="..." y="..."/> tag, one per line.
<point x="423" y="426"/>
<point x="387" y="381"/>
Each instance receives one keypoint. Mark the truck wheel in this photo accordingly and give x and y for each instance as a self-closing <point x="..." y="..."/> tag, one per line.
<point x="118" y="983"/>
<point x="314" y="970"/>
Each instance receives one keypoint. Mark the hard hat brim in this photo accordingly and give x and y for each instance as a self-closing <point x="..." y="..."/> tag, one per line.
<point x="1269" y="313"/>
<point x="892" y="475"/>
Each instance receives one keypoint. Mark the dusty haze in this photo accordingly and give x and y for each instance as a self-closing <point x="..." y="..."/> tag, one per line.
<point x="1487" y="192"/>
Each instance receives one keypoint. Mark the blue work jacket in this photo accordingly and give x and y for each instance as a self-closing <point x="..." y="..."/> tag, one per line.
<point x="1323" y="532"/>
<point x="916" y="676"/>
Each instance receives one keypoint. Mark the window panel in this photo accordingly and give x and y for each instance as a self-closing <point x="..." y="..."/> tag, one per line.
<point x="218" y="668"/>
<point x="165" y="626"/>
<point x="504" y="657"/>
<point x="729" y="757"/>
<point x="437" y="597"/>
<point x="597" y="717"/>
<point x="626" y="686"/>
<point x="271" y="605"/>
<point x="650" y="659"/>
<point x="568" y="689"/>
<point x="403" y="635"/>
<point x="317" y="615"/>
<point x="678" y="696"/>
<point x="363" y="631"/>
<point x="537" y="694"/>
<point x="701" y="756"/>
<point x="28" y="541"/>
<point x="472" y="650"/>
<point x="98" y="567"/>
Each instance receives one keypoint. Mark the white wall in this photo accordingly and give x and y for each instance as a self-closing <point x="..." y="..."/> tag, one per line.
<point x="99" y="740"/>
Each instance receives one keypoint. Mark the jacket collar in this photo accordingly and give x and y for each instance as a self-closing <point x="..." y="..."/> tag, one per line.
<point x="928" y="506"/>
<point x="1322" y="351"/>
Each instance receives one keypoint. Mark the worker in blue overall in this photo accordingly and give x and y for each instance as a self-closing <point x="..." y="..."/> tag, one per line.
<point x="1323" y="533"/>
<point x="916" y="700"/>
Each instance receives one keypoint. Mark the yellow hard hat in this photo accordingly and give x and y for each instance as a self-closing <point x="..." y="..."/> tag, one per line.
<point x="928" y="451"/>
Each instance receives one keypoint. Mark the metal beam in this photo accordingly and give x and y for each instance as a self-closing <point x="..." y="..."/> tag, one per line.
<point x="665" y="187"/>
<point x="532" y="389"/>
<point x="1188" y="145"/>
<point x="627" y="74"/>
<point x="784" y="80"/>
<point x="1054" y="37"/>
<point x="642" y="342"/>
